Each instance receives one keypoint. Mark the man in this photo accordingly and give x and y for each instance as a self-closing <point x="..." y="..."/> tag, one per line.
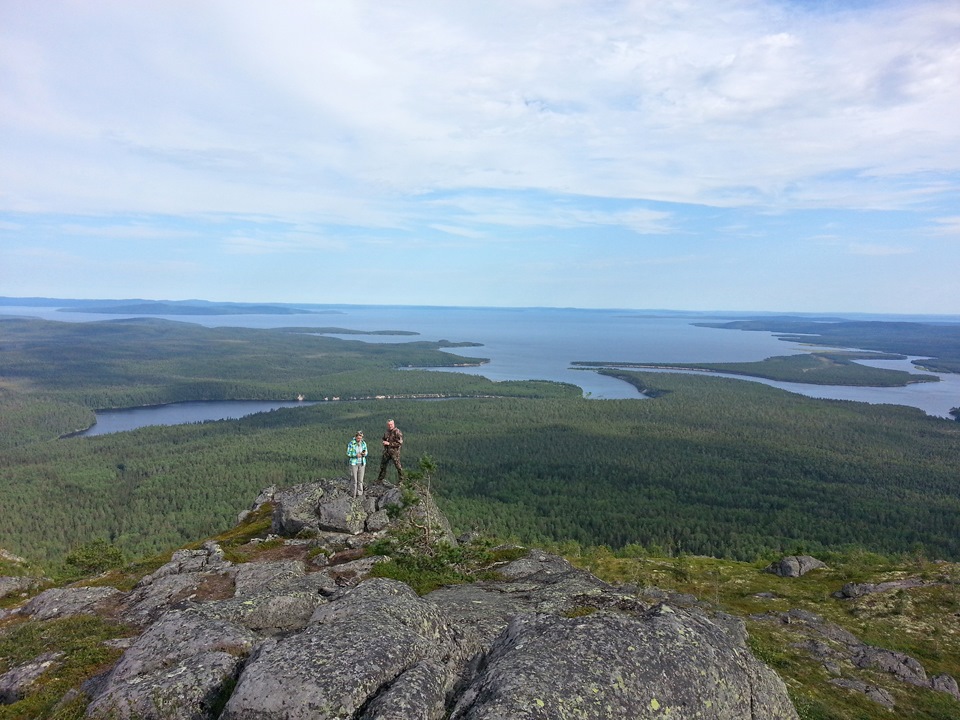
<point x="392" y="441"/>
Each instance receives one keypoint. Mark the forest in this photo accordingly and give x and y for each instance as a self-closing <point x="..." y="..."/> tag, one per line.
<point x="708" y="466"/>
<point x="937" y="343"/>
<point x="814" y="368"/>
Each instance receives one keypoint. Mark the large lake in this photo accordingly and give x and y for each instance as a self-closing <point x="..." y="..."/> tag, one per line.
<point x="538" y="343"/>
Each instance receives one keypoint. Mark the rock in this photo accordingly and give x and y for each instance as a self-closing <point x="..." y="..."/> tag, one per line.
<point x="353" y="649"/>
<point x="11" y="558"/>
<point x="15" y="683"/>
<point x="877" y="694"/>
<point x="608" y="665"/>
<point x="10" y="585"/>
<point x="208" y="559"/>
<point x="904" y="667"/>
<point x="188" y="575"/>
<point x="537" y="583"/>
<point x="423" y="511"/>
<point x="377" y="521"/>
<point x="947" y="684"/>
<point x="258" y="577"/>
<point x="345" y="514"/>
<point x="64" y="602"/>
<point x="844" y="645"/>
<point x="299" y="637"/>
<point x="794" y="565"/>
<point x="295" y="509"/>
<point x="181" y="667"/>
<point x="418" y="694"/>
<point x="855" y="590"/>
<point x="265" y="496"/>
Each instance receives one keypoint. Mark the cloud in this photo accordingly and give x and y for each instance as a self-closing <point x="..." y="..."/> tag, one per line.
<point x="245" y="137"/>
<point x="875" y="250"/>
<point x="228" y="104"/>
<point x="949" y="226"/>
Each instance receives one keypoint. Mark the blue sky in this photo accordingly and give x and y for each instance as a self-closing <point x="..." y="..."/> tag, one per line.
<point x="722" y="155"/>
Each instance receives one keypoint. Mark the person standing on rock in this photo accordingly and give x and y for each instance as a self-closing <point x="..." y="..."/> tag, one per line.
<point x="392" y="441"/>
<point x="357" y="457"/>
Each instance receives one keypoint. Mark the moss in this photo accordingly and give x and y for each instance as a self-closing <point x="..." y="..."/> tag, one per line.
<point x="580" y="611"/>
<point x="80" y="640"/>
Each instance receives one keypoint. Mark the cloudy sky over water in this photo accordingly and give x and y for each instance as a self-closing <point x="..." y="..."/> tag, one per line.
<point x="720" y="155"/>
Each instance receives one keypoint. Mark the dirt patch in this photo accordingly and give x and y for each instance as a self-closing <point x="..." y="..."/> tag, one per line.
<point x="345" y="556"/>
<point x="215" y="587"/>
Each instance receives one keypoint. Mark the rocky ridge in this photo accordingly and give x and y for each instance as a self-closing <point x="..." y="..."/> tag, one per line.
<point x="303" y="630"/>
<point x="289" y="616"/>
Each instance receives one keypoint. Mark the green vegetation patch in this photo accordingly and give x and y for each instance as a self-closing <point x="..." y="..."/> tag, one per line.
<point x="76" y="651"/>
<point x="426" y="569"/>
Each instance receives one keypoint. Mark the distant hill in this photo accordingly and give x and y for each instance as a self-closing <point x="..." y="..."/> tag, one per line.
<point x="162" y="307"/>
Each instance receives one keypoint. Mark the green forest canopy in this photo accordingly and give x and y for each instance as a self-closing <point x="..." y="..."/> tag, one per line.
<point x="711" y="466"/>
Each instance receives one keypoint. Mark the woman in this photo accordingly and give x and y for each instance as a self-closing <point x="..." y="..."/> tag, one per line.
<point x="357" y="457"/>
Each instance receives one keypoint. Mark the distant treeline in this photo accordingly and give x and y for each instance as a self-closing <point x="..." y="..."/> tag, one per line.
<point x="819" y="368"/>
<point x="938" y="341"/>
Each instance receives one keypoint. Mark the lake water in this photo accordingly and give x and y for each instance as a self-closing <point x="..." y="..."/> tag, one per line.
<point x="540" y="343"/>
<point x="111" y="421"/>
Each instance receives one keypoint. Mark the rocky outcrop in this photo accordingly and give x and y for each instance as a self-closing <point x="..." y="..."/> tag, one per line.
<point x="835" y="647"/>
<point x="15" y="683"/>
<point x="303" y="631"/>
<point x="661" y="662"/>
<point x="855" y="590"/>
<point x="19" y="580"/>
<point x="329" y="506"/>
<point x="795" y="565"/>
<point x="13" y="585"/>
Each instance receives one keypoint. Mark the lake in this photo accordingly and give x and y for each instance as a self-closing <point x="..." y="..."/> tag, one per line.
<point x="112" y="421"/>
<point x="540" y="344"/>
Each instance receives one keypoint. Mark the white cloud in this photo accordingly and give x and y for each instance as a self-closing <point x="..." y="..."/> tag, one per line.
<point x="877" y="250"/>
<point x="949" y="226"/>
<point x="182" y="107"/>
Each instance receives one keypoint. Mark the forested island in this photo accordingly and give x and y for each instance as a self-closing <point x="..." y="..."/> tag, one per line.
<point x="711" y="466"/>
<point x="937" y="343"/>
<point x="815" y="368"/>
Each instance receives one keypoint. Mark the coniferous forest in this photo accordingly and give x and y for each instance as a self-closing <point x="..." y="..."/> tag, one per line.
<point x="708" y="466"/>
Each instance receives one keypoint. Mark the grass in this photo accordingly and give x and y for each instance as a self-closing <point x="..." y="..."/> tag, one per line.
<point x="81" y="654"/>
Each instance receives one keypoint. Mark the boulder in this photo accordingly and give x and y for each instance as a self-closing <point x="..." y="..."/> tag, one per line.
<point x="795" y="565"/>
<point x="208" y="559"/>
<point x="855" y="590"/>
<point x="343" y="515"/>
<point x="258" y="577"/>
<point x="353" y="649"/>
<point x="872" y="692"/>
<point x="608" y="665"/>
<point x="377" y="521"/>
<point x="15" y="683"/>
<point x="189" y="575"/>
<point x="295" y="509"/>
<point x="64" y="602"/>
<point x="11" y="585"/>
<point x="181" y="667"/>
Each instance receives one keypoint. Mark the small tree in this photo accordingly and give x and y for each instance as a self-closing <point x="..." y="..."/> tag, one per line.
<point x="426" y="468"/>
<point x="93" y="557"/>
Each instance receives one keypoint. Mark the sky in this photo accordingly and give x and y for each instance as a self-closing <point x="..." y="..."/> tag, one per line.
<point x="713" y="155"/>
